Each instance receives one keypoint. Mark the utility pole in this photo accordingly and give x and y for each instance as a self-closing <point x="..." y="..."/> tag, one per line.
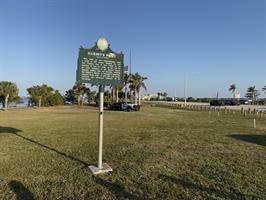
<point x="130" y="62"/>
<point x="185" y="92"/>
<point x="130" y="92"/>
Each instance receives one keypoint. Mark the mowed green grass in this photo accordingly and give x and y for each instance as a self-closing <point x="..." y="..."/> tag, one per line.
<point x="157" y="153"/>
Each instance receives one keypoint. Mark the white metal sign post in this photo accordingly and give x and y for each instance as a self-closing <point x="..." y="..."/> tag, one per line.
<point x="100" y="66"/>
<point x="102" y="167"/>
<point x="100" y="136"/>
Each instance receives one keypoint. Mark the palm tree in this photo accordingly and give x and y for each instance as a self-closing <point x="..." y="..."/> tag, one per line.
<point x="264" y="89"/>
<point x="252" y="93"/>
<point x="8" y="91"/>
<point x="115" y="91"/>
<point x="126" y="81"/>
<point x="80" y="90"/>
<point x="136" y="83"/>
<point x="39" y="93"/>
<point x="232" y="88"/>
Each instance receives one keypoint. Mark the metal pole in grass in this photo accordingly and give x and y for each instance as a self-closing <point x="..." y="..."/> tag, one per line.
<point x="102" y="167"/>
<point x="100" y="137"/>
<point x="254" y="123"/>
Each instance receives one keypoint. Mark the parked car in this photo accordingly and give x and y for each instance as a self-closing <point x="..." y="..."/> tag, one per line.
<point x="243" y="101"/>
<point x="216" y="102"/>
<point x="125" y="106"/>
<point x="231" y="102"/>
<point x="115" y="106"/>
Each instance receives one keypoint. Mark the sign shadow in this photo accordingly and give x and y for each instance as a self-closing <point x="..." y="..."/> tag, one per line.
<point x="118" y="190"/>
<point x="16" y="132"/>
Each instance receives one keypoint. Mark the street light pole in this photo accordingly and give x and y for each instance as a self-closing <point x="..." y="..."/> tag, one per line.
<point x="185" y="92"/>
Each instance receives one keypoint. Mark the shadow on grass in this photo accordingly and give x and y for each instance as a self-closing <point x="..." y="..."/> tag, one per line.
<point x="9" y="130"/>
<point x="22" y="193"/>
<point x="194" y="186"/>
<point x="118" y="190"/>
<point x="16" y="132"/>
<point x="257" y="139"/>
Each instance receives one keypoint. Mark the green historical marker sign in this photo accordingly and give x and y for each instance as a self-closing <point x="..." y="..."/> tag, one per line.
<point x="100" y="65"/>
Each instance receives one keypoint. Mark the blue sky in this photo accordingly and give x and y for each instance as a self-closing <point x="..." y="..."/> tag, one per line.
<point x="211" y="43"/>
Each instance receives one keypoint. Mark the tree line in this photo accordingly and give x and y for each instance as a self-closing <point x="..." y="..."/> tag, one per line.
<point x="39" y="95"/>
<point x="44" y="95"/>
<point x="133" y="83"/>
<point x="252" y="93"/>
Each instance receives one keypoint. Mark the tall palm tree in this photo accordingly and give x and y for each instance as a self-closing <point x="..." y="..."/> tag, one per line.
<point x="232" y="88"/>
<point x="126" y="81"/>
<point x="39" y="93"/>
<point x="252" y="93"/>
<point x="115" y="91"/>
<point x="264" y="89"/>
<point x="8" y="90"/>
<point x="136" y="83"/>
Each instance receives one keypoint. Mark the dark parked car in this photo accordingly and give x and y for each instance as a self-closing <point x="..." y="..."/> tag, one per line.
<point x="126" y="106"/>
<point x="231" y="102"/>
<point x="115" y="106"/>
<point x="243" y="101"/>
<point x="216" y="102"/>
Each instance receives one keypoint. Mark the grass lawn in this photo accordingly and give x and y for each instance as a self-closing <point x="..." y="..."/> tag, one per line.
<point x="157" y="153"/>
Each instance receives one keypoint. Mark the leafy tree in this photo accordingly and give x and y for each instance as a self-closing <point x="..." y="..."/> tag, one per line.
<point x="39" y="94"/>
<point x="107" y="96"/>
<point x="70" y="96"/>
<point x="79" y="91"/>
<point x="190" y="99"/>
<point x="56" y="99"/>
<point x="232" y="88"/>
<point x="8" y="93"/>
<point x="92" y="96"/>
<point x="136" y="83"/>
<point x="252" y="93"/>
